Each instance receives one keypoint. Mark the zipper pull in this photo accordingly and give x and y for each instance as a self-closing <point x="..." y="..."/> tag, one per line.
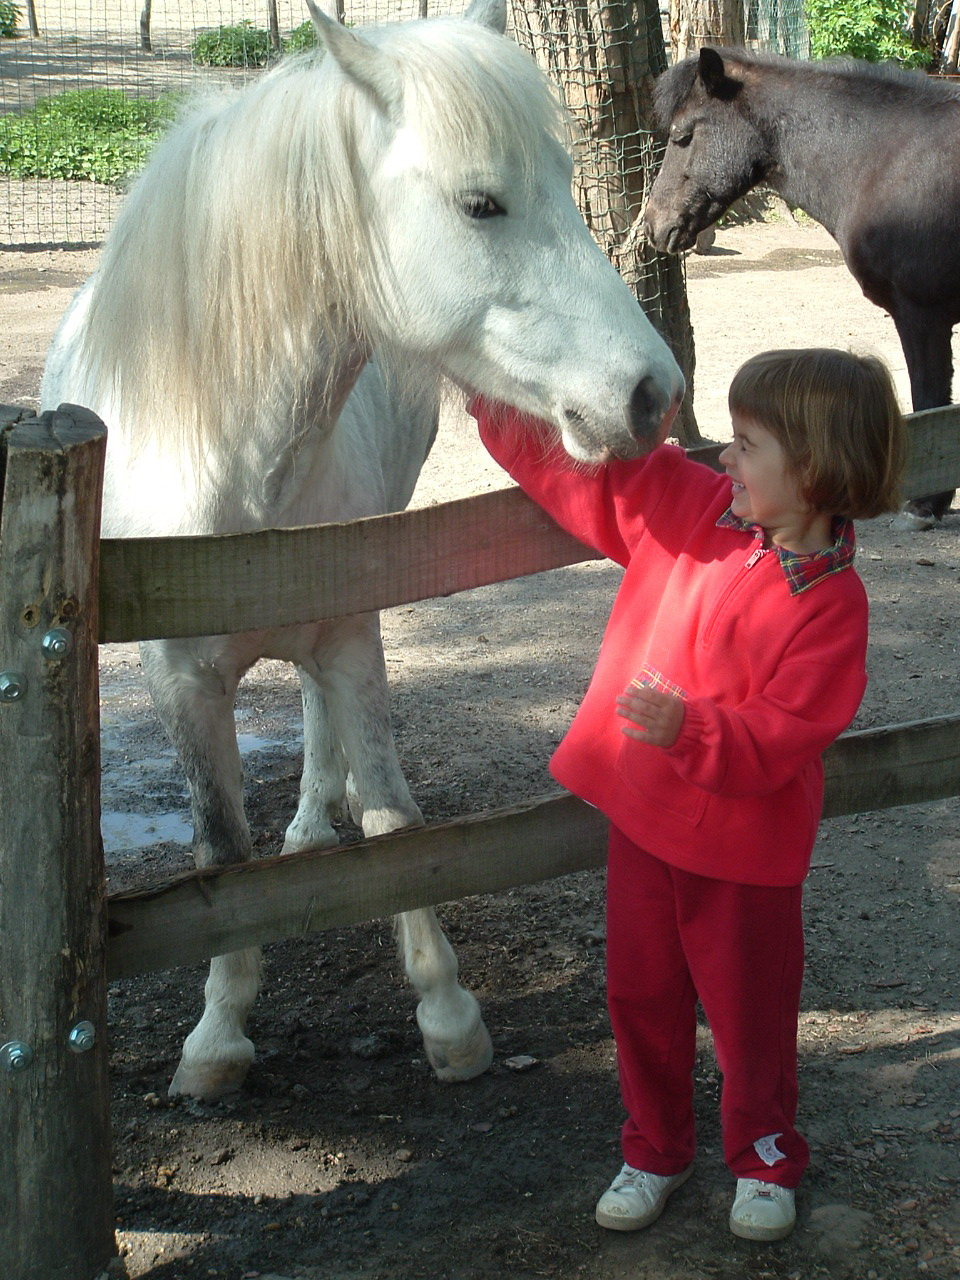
<point x="760" y="551"/>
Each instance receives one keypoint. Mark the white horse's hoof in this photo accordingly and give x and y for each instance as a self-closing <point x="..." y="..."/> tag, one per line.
<point x="312" y="825"/>
<point x="208" y="1081"/>
<point x="470" y="1057"/>
<point x="909" y="522"/>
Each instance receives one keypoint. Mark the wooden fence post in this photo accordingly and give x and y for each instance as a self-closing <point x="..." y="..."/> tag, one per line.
<point x="56" y="1200"/>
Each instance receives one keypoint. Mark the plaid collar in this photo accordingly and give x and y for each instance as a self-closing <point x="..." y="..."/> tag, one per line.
<point x="802" y="572"/>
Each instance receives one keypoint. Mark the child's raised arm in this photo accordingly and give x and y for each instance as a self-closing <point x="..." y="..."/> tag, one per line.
<point x="605" y="505"/>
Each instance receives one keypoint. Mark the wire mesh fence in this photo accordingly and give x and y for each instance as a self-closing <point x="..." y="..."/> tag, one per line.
<point x="777" y="25"/>
<point x="603" y="59"/>
<point x="85" y="45"/>
<point x="601" y="56"/>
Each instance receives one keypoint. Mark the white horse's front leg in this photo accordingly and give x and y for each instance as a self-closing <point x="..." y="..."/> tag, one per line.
<point x="194" y="696"/>
<point x="457" y="1043"/>
<point x="351" y="670"/>
<point x="217" y="1054"/>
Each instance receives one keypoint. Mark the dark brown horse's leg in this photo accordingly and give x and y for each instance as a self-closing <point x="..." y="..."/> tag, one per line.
<point x="926" y="341"/>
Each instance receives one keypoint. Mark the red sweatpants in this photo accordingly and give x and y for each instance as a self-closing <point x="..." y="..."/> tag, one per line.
<point x="673" y="936"/>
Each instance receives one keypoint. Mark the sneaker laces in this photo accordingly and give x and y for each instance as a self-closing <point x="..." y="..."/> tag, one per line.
<point x="756" y="1190"/>
<point x="629" y="1177"/>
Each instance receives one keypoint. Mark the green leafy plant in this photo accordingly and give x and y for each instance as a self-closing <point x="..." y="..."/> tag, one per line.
<point x="870" y="29"/>
<point x="10" y="15"/>
<point x="300" y="38"/>
<point x="94" y="134"/>
<point x="243" y="45"/>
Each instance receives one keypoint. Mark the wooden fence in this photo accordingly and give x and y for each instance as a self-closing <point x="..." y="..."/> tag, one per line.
<point x="61" y="937"/>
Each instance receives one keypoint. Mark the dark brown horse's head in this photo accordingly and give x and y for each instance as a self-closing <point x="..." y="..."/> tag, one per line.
<point x="715" y="150"/>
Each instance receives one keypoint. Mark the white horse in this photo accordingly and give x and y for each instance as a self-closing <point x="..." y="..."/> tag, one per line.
<point x="407" y="191"/>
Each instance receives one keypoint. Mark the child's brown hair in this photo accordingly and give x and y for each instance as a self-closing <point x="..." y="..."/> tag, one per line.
<point x="837" y="417"/>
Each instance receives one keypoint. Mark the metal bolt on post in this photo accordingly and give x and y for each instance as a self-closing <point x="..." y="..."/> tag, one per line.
<point x="15" y="1056"/>
<point x="82" y="1037"/>
<point x="13" y="685"/>
<point x="57" y="643"/>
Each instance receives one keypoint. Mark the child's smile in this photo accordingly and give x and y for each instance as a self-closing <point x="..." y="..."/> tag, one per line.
<point x="765" y="489"/>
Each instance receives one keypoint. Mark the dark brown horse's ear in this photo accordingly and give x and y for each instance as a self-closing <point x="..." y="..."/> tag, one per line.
<point x="714" y="76"/>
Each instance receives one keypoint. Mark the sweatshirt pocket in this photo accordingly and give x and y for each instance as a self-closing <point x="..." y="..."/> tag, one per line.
<point x="649" y="778"/>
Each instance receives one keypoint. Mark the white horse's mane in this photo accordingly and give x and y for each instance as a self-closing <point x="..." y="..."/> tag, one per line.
<point x="246" y="254"/>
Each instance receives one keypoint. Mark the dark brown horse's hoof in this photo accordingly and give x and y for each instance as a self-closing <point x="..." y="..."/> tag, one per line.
<point x="915" y="517"/>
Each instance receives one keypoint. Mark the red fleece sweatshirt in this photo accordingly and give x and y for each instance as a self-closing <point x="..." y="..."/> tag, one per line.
<point x="770" y="674"/>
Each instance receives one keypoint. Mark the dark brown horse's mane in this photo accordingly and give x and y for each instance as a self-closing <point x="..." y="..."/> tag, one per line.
<point x="872" y="79"/>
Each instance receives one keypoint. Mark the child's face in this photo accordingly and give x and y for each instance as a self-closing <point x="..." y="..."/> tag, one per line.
<point x="765" y="489"/>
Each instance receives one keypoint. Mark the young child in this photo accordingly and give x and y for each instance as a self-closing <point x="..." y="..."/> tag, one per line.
<point x="734" y="655"/>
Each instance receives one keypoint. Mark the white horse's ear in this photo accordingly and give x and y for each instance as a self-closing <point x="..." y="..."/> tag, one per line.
<point x="357" y="58"/>
<point x="332" y="9"/>
<point x="489" y="13"/>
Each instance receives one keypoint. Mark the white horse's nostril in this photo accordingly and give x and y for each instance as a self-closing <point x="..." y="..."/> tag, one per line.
<point x="649" y="404"/>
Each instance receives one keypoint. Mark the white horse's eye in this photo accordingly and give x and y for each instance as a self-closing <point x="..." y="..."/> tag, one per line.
<point x="477" y="205"/>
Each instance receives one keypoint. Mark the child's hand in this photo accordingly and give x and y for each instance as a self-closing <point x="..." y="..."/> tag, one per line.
<point x="658" y="716"/>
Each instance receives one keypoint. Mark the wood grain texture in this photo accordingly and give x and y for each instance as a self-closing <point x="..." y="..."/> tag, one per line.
<point x="54" y="1115"/>
<point x="159" y="587"/>
<point x="204" y="913"/>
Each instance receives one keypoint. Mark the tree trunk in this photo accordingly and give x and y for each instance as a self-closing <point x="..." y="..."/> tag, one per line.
<point x="146" y="43"/>
<point x="604" y="55"/>
<point x="951" y="43"/>
<point x="918" y="23"/>
<point x="694" y="23"/>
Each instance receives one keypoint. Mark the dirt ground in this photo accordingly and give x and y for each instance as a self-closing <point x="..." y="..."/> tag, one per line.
<point x="342" y="1157"/>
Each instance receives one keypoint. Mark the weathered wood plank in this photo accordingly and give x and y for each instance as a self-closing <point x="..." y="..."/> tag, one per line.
<point x="207" y="912"/>
<point x="158" y="587"/>
<point x="934" y="464"/>
<point x="54" y="1111"/>
<point x="203" y="913"/>
<point x="900" y="764"/>
<point x="208" y="586"/>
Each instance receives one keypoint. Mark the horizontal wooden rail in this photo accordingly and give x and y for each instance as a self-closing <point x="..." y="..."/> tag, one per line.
<point x="934" y="463"/>
<point x="898" y="764"/>
<point x="157" y="587"/>
<point x="208" y="912"/>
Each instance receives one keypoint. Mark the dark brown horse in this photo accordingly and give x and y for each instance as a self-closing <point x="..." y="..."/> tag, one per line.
<point x="872" y="153"/>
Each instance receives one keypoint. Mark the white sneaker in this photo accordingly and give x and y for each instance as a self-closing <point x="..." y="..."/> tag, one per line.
<point x="634" y="1199"/>
<point x="762" y="1210"/>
